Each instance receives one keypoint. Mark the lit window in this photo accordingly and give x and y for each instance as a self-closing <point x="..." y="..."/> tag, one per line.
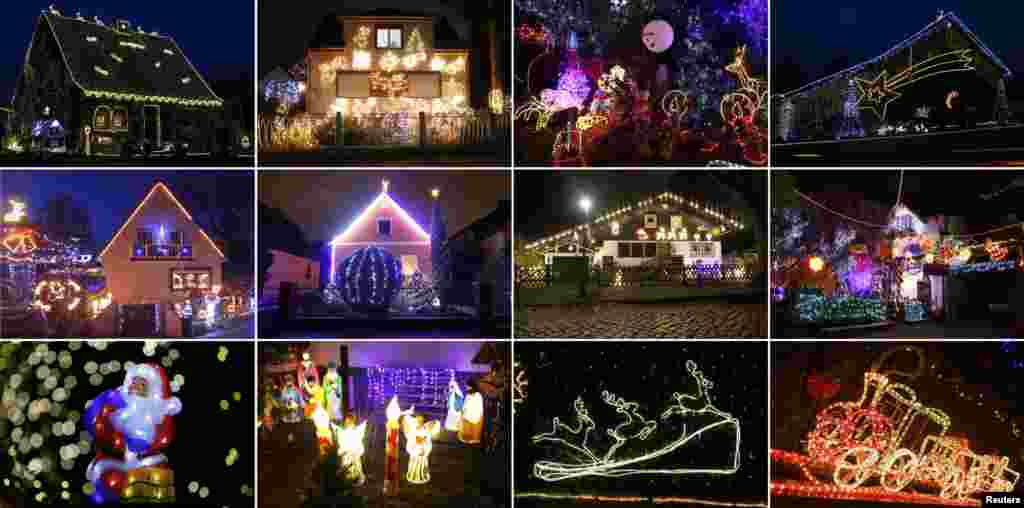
<point x="700" y="249"/>
<point x="410" y="264"/>
<point x="183" y="279"/>
<point x="384" y="227"/>
<point x="102" y="118"/>
<point x="650" y="220"/>
<point x="119" y="119"/>
<point x="389" y="38"/>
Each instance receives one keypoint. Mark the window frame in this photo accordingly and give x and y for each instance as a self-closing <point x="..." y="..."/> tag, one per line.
<point x="388" y="30"/>
<point x="198" y="271"/>
<point x="382" y="221"/>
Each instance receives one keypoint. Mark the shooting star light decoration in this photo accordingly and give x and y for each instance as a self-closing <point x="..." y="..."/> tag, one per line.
<point x="878" y="93"/>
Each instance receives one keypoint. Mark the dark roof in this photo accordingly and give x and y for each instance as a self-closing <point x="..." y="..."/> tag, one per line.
<point x="488" y="224"/>
<point x="330" y="32"/>
<point x="87" y="46"/>
<point x="935" y="25"/>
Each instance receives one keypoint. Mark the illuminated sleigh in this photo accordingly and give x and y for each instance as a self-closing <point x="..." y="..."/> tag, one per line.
<point x="646" y="446"/>
<point x="878" y="435"/>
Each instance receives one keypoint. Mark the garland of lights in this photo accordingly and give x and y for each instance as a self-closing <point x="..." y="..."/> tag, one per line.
<point x="610" y="466"/>
<point x="665" y="197"/>
<point x="159" y="99"/>
<point x="393" y="85"/>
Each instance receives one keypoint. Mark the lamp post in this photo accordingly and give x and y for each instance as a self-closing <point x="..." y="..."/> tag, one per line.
<point x="585" y="205"/>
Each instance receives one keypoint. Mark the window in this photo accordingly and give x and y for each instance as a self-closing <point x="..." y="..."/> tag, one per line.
<point x="184" y="279"/>
<point x="389" y="38"/>
<point x="650" y="250"/>
<point x="384" y="227"/>
<point x="624" y="249"/>
<point x="677" y="222"/>
<point x="145" y="237"/>
<point x="119" y="119"/>
<point x="650" y="220"/>
<point x="101" y="118"/>
<point x="701" y="250"/>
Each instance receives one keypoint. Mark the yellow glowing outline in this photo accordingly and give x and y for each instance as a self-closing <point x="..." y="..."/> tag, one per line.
<point x="876" y="91"/>
<point x="160" y="185"/>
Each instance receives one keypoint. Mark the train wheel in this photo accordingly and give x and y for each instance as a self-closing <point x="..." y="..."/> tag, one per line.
<point x="854" y="467"/>
<point x="899" y="470"/>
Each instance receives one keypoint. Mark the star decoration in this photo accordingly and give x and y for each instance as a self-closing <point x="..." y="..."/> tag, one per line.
<point x="877" y="94"/>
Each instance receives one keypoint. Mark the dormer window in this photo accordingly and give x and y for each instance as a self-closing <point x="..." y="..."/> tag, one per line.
<point x="160" y="243"/>
<point x="389" y="37"/>
<point x="384" y="227"/>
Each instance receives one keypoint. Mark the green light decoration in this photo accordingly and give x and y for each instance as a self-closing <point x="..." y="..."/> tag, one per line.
<point x="160" y="99"/>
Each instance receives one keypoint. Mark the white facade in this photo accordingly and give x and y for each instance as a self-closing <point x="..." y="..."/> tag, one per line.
<point x="705" y="253"/>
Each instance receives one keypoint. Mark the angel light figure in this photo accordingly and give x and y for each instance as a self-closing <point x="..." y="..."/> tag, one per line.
<point x="419" y="438"/>
<point x="472" y="419"/>
<point x="351" y="448"/>
<point x="453" y="421"/>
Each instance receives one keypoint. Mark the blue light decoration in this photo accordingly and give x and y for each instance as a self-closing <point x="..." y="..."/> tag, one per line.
<point x="814" y="307"/>
<point x="576" y="84"/>
<point x="186" y="251"/>
<point x="369" y="279"/>
<point x="913" y="312"/>
<point x="984" y="267"/>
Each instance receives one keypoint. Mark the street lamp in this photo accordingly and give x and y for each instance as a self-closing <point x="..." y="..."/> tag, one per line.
<point x="585" y="205"/>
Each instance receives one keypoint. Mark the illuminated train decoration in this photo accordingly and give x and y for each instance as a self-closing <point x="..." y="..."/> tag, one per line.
<point x="891" y="436"/>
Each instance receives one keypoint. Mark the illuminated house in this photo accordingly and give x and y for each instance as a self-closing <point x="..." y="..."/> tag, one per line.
<point x="667" y="225"/>
<point x="386" y="225"/>
<point x="386" y="61"/>
<point x="116" y="81"/>
<point x="944" y="68"/>
<point x="160" y="257"/>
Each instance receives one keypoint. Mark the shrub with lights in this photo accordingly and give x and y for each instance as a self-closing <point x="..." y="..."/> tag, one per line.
<point x="369" y="279"/>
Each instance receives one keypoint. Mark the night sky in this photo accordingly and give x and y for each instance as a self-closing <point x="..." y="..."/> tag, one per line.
<point x="926" y="192"/>
<point x="647" y="373"/>
<point x="111" y="196"/>
<point x="988" y="373"/>
<point x="204" y="431"/>
<point x="291" y="29"/>
<point x="548" y="201"/>
<point x="217" y="37"/>
<point x="811" y="38"/>
<point x="324" y="203"/>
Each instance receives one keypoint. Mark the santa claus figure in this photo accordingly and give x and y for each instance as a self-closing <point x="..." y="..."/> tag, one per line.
<point x="131" y="424"/>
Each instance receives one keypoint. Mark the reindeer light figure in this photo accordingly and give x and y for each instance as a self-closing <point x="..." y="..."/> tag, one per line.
<point x="660" y="439"/>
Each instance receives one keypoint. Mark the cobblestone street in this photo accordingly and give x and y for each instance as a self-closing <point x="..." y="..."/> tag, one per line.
<point x="621" y="320"/>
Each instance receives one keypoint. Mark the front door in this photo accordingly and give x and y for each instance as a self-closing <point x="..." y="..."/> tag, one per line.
<point x="151" y="120"/>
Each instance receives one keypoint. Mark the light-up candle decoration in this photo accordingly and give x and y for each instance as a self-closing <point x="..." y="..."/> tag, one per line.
<point x="472" y="419"/>
<point x="394" y="414"/>
<point x="453" y="421"/>
<point x="351" y="448"/>
<point x="419" y="438"/>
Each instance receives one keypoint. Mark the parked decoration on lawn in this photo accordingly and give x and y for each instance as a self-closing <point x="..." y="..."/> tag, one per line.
<point x="472" y="419"/>
<point x="351" y="449"/>
<point x="131" y="424"/>
<point x="878" y="93"/>
<point x="292" y="400"/>
<point x="453" y="421"/>
<point x="667" y="431"/>
<point x="889" y="435"/>
<point x="394" y="414"/>
<point x="57" y="294"/>
<point x="741" y="106"/>
<point x="17" y="212"/>
<point x="333" y="392"/>
<point x="658" y="36"/>
<point x="535" y="108"/>
<point x="369" y="279"/>
<point x="419" y="436"/>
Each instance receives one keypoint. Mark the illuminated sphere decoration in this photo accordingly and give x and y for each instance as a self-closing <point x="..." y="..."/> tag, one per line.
<point x="369" y="279"/>
<point x="658" y="36"/>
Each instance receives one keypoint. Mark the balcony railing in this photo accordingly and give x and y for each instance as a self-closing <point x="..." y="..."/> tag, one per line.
<point x="161" y="251"/>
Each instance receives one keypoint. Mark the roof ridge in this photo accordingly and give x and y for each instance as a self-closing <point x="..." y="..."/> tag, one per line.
<point x="108" y="27"/>
<point x="913" y="38"/>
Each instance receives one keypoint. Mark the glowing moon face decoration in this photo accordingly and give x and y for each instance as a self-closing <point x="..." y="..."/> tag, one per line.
<point x="658" y="36"/>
